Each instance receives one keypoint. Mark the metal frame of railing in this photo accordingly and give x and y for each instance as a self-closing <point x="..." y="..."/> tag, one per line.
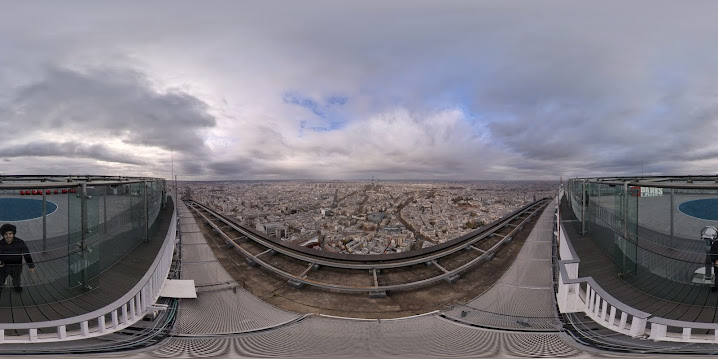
<point x="604" y="309"/>
<point x="637" y="222"/>
<point x="124" y="311"/>
<point x="151" y="194"/>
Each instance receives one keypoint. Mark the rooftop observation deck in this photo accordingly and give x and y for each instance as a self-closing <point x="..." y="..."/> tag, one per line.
<point x="46" y="296"/>
<point x="656" y="275"/>
<point x="94" y="241"/>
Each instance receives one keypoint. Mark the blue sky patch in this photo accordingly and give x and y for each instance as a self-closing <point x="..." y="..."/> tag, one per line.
<point x="296" y="99"/>
<point x="331" y="126"/>
<point x="336" y="100"/>
<point x="319" y="109"/>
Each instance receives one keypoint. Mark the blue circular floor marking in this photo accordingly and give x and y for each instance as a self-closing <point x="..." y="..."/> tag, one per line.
<point x="701" y="208"/>
<point x="22" y="209"/>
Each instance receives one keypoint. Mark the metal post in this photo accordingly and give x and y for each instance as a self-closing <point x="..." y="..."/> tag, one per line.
<point x="83" y="215"/>
<point x="104" y="211"/>
<point x="176" y="197"/>
<point x="147" y="222"/>
<point x="584" y="204"/>
<point x="671" y="243"/>
<point x="83" y="232"/>
<point x="597" y="210"/>
<point x="44" y="220"/>
<point x="625" y="224"/>
<point x="164" y="194"/>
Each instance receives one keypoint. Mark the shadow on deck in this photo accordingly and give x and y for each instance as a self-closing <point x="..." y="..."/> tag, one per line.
<point x="37" y="303"/>
<point x="647" y="292"/>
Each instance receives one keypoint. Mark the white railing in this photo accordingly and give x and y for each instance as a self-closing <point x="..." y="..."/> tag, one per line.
<point x="122" y="313"/>
<point x="611" y="313"/>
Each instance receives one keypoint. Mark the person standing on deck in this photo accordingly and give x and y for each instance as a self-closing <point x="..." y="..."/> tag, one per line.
<point x="714" y="258"/>
<point x="12" y="250"/>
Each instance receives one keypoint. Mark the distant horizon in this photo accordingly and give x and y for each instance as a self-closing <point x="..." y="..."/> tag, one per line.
<point x="368" y="180"/>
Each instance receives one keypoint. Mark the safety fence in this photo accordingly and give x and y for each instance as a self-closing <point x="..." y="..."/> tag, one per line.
<point x="576" y="295"/>
<point x="76" y="227"/>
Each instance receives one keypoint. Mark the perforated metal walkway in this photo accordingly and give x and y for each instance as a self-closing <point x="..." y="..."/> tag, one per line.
<point x="661" y="297"/>
<point x="225" y="320"/>
<point x="222" y="305"/>
<point x="523" y="298"/>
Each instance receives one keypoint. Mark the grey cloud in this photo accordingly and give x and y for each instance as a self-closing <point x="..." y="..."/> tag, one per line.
<point x="237" y="167"/>
<point x="618" y="139"/>
<point x="247" y="168"/>
<point x="112" y="102"/>
<point x="68" y="149"/>
<point x="191" y="168"/>
<point x="437" y="143"/>
<point x="561" y="86"/>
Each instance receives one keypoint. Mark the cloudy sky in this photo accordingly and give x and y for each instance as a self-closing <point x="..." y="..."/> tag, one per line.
<point x="355" y="89"/>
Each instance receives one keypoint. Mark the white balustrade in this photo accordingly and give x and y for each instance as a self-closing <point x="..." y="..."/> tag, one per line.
<point x="602" y="308"/>
<point x="136" y="301"/>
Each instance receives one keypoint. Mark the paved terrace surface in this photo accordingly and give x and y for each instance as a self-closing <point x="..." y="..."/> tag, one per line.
<point x="39" y="302"/>
<point x="673" y="300"/>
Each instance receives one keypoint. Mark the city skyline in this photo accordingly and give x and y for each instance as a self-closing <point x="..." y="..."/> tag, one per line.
<point x="457" y="90"/>
<point x="366" y="218"/>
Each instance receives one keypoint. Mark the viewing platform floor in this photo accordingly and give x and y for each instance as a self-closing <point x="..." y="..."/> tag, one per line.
<point x="55" y="300"/>
<point x="657" y="295"/>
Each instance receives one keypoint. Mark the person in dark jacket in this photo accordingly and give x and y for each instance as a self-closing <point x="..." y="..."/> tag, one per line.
<point x="12" y="250"/>
<point x="714" y="258"/>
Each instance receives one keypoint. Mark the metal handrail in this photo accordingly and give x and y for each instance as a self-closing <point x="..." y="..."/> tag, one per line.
<point x="565" y="278"/>
<point x="138" y="299"/>
<point x="655" y="181"/>
<point x="658" y="324"/>
<point x="56" y="181"/>
<point x="380" y="261"/>
<point x="398" y="263"/>
<point x="169" y="241"/>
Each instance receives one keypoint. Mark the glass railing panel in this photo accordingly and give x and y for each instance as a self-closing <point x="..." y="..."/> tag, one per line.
<point x="74" y="238"/>
<point x="603" y="219"/>
<point x="137" y="209"/>
<point x="629" y="252"/>
<point x="652" y="233"/>
<point x="75" y="265"/>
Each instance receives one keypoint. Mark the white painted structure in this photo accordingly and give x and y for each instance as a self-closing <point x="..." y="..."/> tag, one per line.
<point x="577" y="295"/>
<point x="124" y="312"/>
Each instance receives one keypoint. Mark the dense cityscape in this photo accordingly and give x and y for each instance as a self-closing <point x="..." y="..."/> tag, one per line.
<point x="371" y="217"/>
